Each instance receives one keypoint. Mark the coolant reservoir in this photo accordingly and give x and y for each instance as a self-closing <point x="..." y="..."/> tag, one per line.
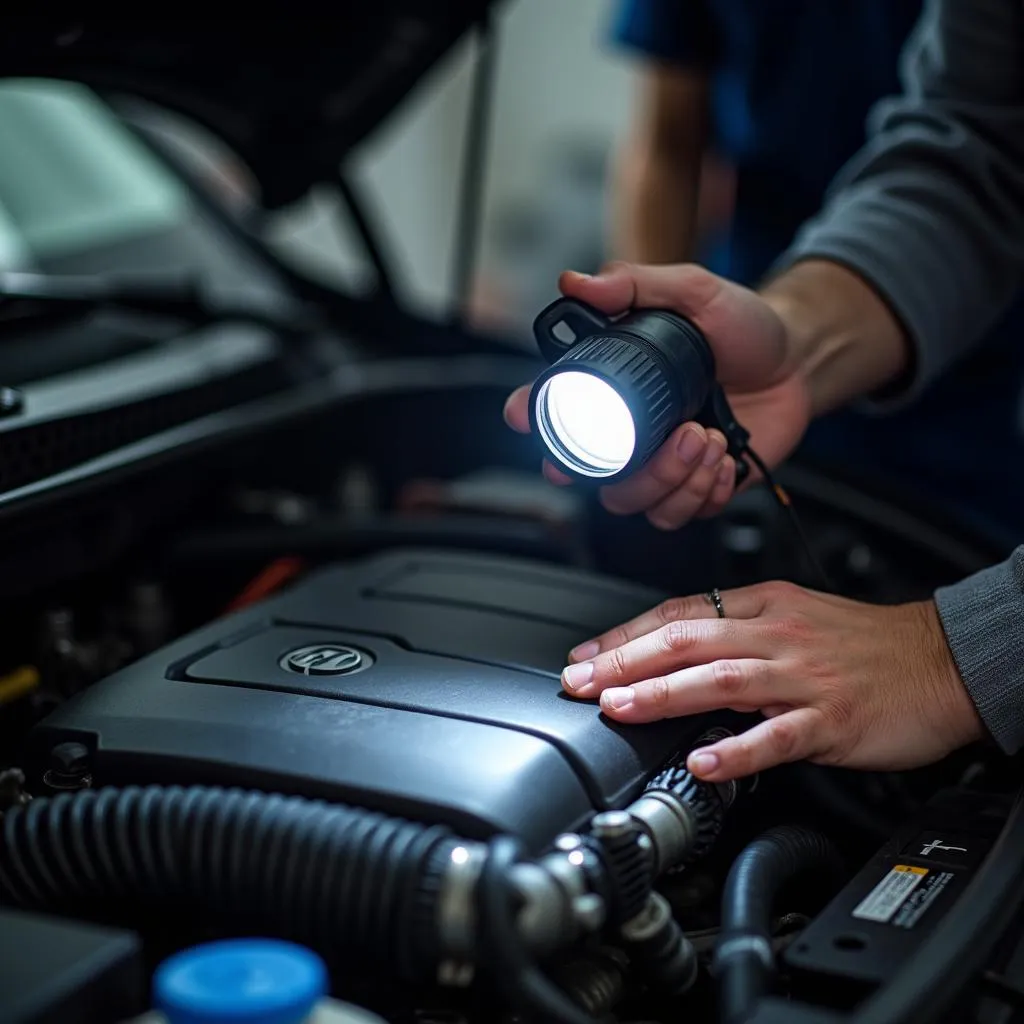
<point x="247" y="981"/>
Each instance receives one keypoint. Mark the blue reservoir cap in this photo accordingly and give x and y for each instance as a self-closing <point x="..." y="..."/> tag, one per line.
<point x="240" y="981"/>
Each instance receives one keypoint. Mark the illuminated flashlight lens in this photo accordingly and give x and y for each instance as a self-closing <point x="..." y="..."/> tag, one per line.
<point x="585" y="423"/>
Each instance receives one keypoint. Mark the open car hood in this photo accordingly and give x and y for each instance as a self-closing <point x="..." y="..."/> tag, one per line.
<point x="290" y="95"/>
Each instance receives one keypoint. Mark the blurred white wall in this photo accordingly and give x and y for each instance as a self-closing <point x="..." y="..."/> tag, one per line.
<point x="556" y="78"/>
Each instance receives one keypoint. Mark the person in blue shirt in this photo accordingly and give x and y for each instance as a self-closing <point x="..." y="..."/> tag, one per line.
<point x="780" y="91"/>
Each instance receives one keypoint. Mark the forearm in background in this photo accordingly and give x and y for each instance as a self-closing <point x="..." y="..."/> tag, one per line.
<point x="658" y="168"/>
<point x="930" y="213"/>
<point x="843" y="337"/>
<point x="654" y="212"/>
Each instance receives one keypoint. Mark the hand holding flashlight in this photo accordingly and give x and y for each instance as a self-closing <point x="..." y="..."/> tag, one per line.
<point x="603" y="408"/>
<point x="617" y="388"/>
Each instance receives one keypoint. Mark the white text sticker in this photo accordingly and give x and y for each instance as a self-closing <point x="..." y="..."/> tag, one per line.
<point x="887" y="897"/>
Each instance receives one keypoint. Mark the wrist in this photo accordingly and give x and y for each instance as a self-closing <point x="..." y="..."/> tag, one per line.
<point x="840" y="336"/>
<point x="956" y="717"/>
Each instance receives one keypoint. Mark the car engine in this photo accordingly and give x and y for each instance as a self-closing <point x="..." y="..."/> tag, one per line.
<point x="411" y="683"/>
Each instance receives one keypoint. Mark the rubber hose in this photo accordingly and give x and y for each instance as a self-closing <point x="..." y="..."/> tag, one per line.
<point x="744" y="960"/>
<point x="336" y="878"/>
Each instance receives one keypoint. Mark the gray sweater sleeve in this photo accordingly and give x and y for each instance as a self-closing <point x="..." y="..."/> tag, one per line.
<point x="984" y="621"/>
<point x="931" y="210"/>
<point x="931" y="214"/>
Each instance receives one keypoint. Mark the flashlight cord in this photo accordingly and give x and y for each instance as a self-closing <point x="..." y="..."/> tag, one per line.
<point x="786" y="503"/>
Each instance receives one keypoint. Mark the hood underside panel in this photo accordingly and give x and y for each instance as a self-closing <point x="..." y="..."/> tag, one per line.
<point x="290" y="96"/>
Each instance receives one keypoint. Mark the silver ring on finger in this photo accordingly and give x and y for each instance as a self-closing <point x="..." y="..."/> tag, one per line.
<point x="714" y="598"/>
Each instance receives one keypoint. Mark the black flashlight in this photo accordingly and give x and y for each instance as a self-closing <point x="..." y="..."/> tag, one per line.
<point x="617" y="388"/>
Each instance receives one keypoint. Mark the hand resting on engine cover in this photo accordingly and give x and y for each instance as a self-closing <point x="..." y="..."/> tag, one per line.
<point x="839" y="682"/>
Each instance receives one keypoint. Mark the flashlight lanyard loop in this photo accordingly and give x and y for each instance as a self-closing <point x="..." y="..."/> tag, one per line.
<point x="564" y="323"/>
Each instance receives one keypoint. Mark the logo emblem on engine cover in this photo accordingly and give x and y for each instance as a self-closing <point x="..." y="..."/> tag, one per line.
<point x="325" y="660"/>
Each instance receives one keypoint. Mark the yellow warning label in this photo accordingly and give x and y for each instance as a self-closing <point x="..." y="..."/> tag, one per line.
<point x="887" y="897"/>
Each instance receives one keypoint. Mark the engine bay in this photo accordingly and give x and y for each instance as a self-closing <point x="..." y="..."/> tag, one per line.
<point x="374" y="758"/>
<point x="302" y="683"/>
<point x="234" y="704"/>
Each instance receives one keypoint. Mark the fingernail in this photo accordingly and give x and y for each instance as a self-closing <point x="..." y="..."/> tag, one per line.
<point x="703" y="763"/>
<point x="724" y="473"/>
<point x="618" y="698"/>
<point x="691" y="444"/>
<point x="585" y="651"/>
<point x="714" y="453"/>
<point x="575" y="676"/>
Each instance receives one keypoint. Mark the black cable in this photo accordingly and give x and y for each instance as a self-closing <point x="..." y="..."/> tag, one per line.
<point x="744" y="958"/>
<point x="517" y="978"/>
<point x="357" y="207"/>
<point x="473" y="169"/>
<point x="786" y="503"/>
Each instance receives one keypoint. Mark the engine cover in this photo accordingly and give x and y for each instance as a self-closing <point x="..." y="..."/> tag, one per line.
<point x="422" y="684"/>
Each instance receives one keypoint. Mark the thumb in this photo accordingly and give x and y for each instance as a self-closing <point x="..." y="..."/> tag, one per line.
<point x="517" y="410"/>
<point x="744" y="332"/>
<point x="687" y="288"/>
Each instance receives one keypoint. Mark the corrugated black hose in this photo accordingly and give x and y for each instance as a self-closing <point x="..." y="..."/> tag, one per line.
<point x="744" y="961"/>
<point x="338" y="879"/>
